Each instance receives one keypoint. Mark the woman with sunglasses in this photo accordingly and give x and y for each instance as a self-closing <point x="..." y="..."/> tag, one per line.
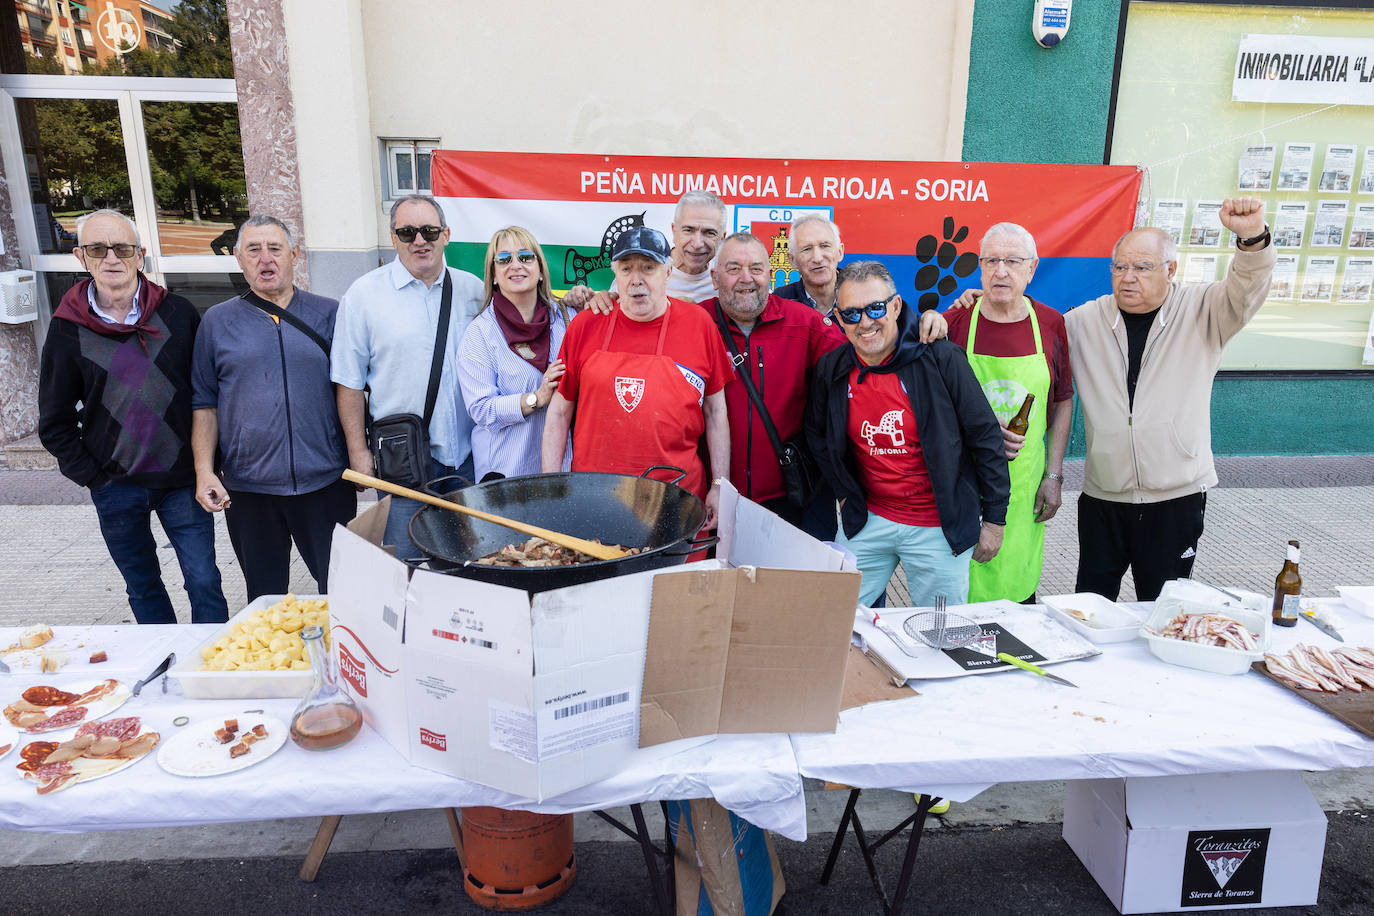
<point x="507" y="358"/>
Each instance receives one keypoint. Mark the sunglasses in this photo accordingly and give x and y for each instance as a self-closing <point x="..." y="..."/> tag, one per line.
<point x="524" y="256"/>
<point x="873" y="310"/>
<point x="407" y="233"/>
<point x="98" y="250"/>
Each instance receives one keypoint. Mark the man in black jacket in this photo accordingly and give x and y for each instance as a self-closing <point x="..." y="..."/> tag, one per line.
<point x="114" y="408"/>
<point x="904" y="434"/>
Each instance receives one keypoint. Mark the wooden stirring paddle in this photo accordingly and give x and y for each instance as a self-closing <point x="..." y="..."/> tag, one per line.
<point x="591" y="548"/>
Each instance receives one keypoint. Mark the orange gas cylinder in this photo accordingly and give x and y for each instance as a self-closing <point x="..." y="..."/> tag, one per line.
<point x="516" y="860"/>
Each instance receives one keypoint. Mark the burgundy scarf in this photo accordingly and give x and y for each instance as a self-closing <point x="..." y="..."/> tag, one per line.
<point x="529" y="339"/>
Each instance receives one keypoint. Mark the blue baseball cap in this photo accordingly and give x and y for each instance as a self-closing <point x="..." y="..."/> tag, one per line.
<point x="642" y="240"/>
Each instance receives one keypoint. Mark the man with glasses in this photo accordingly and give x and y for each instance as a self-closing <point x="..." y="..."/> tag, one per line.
<point x="114" y="408"/>
<point x="1143" y="361"/>
<point x="263" y="401"/>
<point x="384" y="339"/>
<point x="908" y="441"/>
<point x="1019" y="347"/>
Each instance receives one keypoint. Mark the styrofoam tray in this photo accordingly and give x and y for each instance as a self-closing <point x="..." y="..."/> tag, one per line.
<point x="1107" y="621"/>
<point x="1359" y="598"/>
<point x="1195" y="655"/>
<point x="240" y="685"/>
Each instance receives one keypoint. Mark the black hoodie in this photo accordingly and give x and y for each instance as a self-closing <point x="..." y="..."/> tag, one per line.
<point x="959" y="434"/>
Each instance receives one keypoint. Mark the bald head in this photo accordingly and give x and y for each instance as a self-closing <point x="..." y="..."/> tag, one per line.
<point x="1143" y="265"/>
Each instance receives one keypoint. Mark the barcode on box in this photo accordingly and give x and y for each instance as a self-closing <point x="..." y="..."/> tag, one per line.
<point x="390" y="617"/>
<point x="483" y="643"/>
<point x="589" y="705"/>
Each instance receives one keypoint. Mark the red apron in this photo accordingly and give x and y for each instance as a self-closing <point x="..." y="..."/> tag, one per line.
<point x="635" y="410"/>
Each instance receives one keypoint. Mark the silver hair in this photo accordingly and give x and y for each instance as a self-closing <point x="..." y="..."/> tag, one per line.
<point x="864" y="270"/>
<point x="81" y="222"/>
<point x="700" y="198"/>
<point x="1013" y="231"/>
<point x="262" y="219"/>
<point x="802" y="221"/>
<point x="438" y="210"/>
<point x="1167" y="246"/>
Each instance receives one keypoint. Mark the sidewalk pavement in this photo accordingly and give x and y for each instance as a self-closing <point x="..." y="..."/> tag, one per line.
<point x="58" y="571"/>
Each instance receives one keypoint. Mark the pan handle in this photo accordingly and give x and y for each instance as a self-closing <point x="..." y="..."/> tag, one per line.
<point x="691" y="545"/>
<point x="433" y="489"/>
<point x="666" y="467"/>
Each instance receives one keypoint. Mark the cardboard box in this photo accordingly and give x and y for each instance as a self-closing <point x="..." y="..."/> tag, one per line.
<point x="1176" y="843"/>
<point x="539" y="695"/>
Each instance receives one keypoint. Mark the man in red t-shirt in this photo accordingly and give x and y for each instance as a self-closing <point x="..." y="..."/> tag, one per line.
<point x="1018" y="347"/>
<point x="907" y="439"/>
<point x="646" y="381"/>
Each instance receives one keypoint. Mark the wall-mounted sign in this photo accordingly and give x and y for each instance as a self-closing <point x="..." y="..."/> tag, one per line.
<point x="1311" y="69"/>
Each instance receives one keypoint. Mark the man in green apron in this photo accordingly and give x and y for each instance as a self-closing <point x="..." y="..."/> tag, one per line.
<point x="1017" y="346"/>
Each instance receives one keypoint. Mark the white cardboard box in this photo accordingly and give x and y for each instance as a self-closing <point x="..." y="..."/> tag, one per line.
<point x="1178" y="843"/>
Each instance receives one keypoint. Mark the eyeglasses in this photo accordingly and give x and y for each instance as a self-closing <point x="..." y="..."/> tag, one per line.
<point x="524" y="256"/>
<point x="98" y="250"/>
<point x="1122" y="269"/>
<point x="1011" y="263"/>
<point x="407" y="233"/>
<point x="873" y="310"/>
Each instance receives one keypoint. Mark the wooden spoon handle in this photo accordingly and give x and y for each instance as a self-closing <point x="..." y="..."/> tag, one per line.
<point x="581" y="545"/>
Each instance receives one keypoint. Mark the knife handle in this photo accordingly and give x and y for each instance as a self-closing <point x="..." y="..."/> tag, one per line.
<point x="1027" y="666"/>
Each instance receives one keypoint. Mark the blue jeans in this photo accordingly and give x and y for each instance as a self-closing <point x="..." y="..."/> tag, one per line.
<point x="125" y="511"/>
<point x="402" y="510"/>
<point x="931" y="567"/>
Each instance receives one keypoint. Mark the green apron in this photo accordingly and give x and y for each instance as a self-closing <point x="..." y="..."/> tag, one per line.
<point x="1015" y="572"/>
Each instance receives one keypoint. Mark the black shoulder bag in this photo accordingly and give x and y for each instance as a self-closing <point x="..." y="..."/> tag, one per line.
<point x="800" y="474"/>
<point x="400" y="442"/>
<point x="295" y="321"/>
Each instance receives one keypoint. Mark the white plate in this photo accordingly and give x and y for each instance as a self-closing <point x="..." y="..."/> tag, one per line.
<point x="1107" y="621"/>
<point x="119" y="769"/>
<point x="98" y="709"/>
<point x="195" y="751"/>
<point x="9" y="740"/>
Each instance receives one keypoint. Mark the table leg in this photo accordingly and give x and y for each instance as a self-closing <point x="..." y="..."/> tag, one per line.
<point x="323" y="837"/>
<point x="455" y="830"/>
<point x="850" y="818"/>
<point x="839" y="836"/>
<point x="647" y="847"/>
<point x="909" y="860"/>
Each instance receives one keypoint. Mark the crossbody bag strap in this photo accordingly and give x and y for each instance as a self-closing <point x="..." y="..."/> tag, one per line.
<point x="436" y="366"/>
<point x="739" y="362"/>
<point x="298" y="323"/>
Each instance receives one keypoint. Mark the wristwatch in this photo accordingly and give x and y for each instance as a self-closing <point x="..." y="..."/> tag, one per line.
<point x="1262" y="237"/>
<point x="531" y="400"/>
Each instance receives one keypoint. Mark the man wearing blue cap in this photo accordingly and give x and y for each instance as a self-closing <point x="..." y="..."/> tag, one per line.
<point x="645" y="382"/>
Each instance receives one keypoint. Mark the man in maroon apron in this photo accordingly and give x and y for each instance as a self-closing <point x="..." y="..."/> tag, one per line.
<point x="645" y="382"/>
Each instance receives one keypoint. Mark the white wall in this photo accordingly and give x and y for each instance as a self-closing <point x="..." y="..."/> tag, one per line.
<point x="864" y="80"/>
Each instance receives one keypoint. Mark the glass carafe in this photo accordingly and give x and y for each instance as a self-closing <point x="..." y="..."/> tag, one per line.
<point x="327" y="717"/>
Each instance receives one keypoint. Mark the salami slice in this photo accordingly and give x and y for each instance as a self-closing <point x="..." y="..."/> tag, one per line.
<point x="49" y="696"/>
<point x="63" y="718"/>
<point x="122" y="728"/>
<point x="49" y="771"/>
<point x="34" y="753"/>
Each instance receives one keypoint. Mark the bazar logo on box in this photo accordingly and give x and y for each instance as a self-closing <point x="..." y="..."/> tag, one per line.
<point x="433" y="739"/>
<point x="352" y="670"/>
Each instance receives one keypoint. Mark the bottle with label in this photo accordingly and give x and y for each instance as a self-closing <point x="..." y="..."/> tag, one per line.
<point x="327" y="717"/>
<point x="1021" y="422"/>
<point x="1288" y="589"/>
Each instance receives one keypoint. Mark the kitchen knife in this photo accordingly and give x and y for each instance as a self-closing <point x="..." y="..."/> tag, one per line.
<point x="166" y="663"/>
<point x="1033" y="669"/>
<point x="1328" y="629"/>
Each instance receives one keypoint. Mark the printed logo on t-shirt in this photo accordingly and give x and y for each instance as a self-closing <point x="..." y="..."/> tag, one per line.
<point x="694" y="380"/>
<point x="891" y="427"/>
<point x="629" y="392"/>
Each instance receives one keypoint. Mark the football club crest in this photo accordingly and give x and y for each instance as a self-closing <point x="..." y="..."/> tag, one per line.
<point x="629" y="391"/>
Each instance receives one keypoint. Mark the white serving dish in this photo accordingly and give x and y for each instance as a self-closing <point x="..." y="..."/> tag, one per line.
<point x="1107" y="620"/>
<point x="1359" y="598"/>
<point x="1218" y="659"/>
<point x="239" y="685"/>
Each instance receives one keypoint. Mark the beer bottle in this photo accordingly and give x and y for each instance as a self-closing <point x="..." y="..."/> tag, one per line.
<point x="1287" y="589"/>
<point x="1021" y="422"/>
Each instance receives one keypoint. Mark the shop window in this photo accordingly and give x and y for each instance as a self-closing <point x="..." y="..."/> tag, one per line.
<point x="406" y="165"/>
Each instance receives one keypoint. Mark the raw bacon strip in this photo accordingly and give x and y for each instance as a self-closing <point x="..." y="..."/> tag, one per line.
<point x="63" y="718"/>
<point x="1329" y="662"/>
<point x="1281" y="667"/>
<point x="1356" y="655"/>
<point x="48" y="696"/>
<point x="1303" y="663"/>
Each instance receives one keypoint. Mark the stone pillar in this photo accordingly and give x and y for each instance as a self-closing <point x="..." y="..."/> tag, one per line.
<point x="267" y="117"/>
<point x="18" y="349"/>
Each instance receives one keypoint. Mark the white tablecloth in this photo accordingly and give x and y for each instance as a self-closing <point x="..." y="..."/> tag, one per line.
<point x="1131" y="715"/>
<point x="753" y="775"/>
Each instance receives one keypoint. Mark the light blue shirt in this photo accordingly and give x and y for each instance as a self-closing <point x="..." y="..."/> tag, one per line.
<point x="131" y="318"/>
<point x="495" y="379"/>
<point x="384" y="341"/>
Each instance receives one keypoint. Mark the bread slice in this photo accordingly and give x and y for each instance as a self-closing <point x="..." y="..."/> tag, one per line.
<point x="35" y="636"/>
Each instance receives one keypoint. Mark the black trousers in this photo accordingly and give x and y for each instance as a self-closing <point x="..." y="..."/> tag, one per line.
<point x="262" y="527"/>
<point x="1158" y="541"/>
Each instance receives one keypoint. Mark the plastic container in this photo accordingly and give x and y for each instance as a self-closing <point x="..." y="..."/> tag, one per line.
<point x="1218" y="659"/>
<point x="1359" y="598"/>
<point x="1107" y="621"/>
<point x="240" y="685"/>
